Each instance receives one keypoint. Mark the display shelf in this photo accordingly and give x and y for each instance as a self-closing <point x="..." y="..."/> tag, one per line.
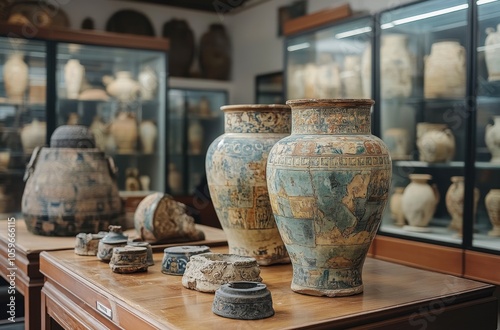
<point x="416" y="163"/>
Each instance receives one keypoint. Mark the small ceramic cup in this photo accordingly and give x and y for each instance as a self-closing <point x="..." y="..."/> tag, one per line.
<point x="175" y="258"/>
<point x="129" y="259"/>
<point x="88" y="244"/>
<point x="243" y="300"/>
<point x="148" y="248"/>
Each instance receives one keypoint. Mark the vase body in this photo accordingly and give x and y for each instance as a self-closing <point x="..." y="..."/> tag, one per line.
<point x="33" y="135"/>
<point x="69" y="191"/>
<point x="195" y="137"/>
<point x="398" y="142"/>
<point x="123" y="88"/>
<point x="396" y="207"/>
<point x="148" y="83"/>
<point x="124" y="132"/>
<point x="215" y="53"/>
<point x="328" y="185"/>
<point x="15" y="77"/>
<point x="236" y="175"/>
<point x="492" y="202"/>
<point x="396" y="66"/>
<point x="148" y="134"/>
<point x="444" y="70"/>
<point x="492" y="53"/>
<point x="419" y="202"/>
<point x="455" y="202"/>
<point x="492" y="139"/>
<point x="435" y="143"/>
<point x="74" y="73"/>
<point x="182" y="47"/>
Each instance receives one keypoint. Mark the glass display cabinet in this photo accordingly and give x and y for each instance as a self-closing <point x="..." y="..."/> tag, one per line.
<point x="269" y="88"/>
<point x="116" y="84"/>
<point x="22" y="113"/>
<point x="333" y="61"/>
<point x="437" y="110"/>
<point x="195" y="120"/>
<point x="120" y="94"/>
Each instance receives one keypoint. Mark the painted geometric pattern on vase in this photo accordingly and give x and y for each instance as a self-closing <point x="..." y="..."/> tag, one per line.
<point x="331" y="121"/>
<point x="257" y="121"/>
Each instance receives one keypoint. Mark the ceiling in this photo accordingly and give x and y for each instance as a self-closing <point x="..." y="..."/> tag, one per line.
<point x="216" y="6"/>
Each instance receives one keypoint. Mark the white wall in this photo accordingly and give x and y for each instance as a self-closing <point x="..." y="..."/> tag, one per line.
<point x="257" y="48"/>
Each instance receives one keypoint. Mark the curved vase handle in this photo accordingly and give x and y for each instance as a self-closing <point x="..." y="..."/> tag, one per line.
<point x="30" y="168"/>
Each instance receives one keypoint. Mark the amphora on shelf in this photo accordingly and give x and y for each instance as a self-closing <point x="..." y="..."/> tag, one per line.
<point x="492" y="202"/>
<point x="492" y="53"/>
<point x="396" y="66"/>
<point x="396" y="208"/>
<point x="435" y="143"/>
<point x="15" y="77"/>
<point x="74" y="73"/>
<point x="124" y="131"/>
<point x="455" y="202"/>
<point x="124" y="88"/>
<point x="492" y="139"/>
<point x="419" y="202"/>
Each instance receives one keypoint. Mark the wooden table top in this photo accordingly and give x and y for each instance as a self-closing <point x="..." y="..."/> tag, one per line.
<point x="155" y="300"/>
<point x="28" y="243"/>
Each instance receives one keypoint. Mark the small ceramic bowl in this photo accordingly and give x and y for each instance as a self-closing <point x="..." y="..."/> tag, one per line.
<point x="148" y="248"/>
<point x="176" y="258"/>
<point x="87" y="244"/>
<point x="243" y="300"/>
<point x="129" y="259"/>
<point x="206" y="272"/>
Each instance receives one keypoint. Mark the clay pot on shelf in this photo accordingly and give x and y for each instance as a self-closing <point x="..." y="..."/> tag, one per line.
<point x="148" y="133"/>
<point x="492" y="139"/>
<point x="444" y="73"/>
<point x="455" y="202"/>
<point x="195" y="137"/>
<point x="15" y="77"/>
<point x="236" y="169"/>
<point x="33" y="135"/>
<point x="148" y="82"/>
<point x="398" y="142"/>
<point x="124" y="88"/>
<point x="492" y="53"/>
<point x="182" y="47"/>
<point x="79" y="191"/>
<point x="435" y="143"/>
<point x="419" y="202"/>
<point x="215" y="53"/>
<point x="396" y="206"/>
<point x="123" y="129"/>
<point x="328" y="184"/>
<point x="74" y="73"/>
<point x="174" y="179"/>
<point x="396" y="66"/>
<point x="492" y="202"/>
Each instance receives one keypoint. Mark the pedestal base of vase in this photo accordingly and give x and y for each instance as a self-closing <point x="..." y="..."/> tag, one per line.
<point x="495" y="232"/>
<point x="417" y="229"/>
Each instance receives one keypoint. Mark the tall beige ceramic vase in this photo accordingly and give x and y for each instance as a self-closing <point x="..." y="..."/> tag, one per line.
<point x="455" y="202"/>
<point x="328" y="184"/>
<point x="492" y="201"/>
<point x="419" y="202"/>
<point x="236" y="175"/>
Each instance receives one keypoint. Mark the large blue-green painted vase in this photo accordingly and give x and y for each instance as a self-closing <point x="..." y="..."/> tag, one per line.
<point x="328" y="184"/>
<point x="236" y="174"/>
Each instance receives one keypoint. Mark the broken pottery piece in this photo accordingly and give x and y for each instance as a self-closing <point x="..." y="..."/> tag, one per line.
<point x="161" y="219"/>
<point x="206" y="272"/>
<point x="88" y="244"/>
<point x="149" y="250"/>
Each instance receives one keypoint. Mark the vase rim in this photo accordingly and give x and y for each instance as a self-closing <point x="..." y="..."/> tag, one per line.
<point x="457" y="178"/>
<point x="330" y="102"/>
<point x="426" y="177"/>
<point x="255" y="107"/>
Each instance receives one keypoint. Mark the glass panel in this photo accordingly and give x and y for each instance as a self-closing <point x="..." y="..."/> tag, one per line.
<point x="22" y="114"/>
<point x="120" y="94"/>
<point x="195" y="121"/>
<point x="269" y="88"/>
<point x="487" y="222"/>
<point x="333" y="62"/>
<point x="423" y="117"/>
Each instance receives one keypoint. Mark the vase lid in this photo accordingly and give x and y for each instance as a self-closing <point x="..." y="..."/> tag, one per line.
<point x="72" y="136"/>
<point x="115" y="236"/>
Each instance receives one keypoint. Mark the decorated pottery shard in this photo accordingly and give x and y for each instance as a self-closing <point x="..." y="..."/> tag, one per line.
<point x="176" y="258"/>
<point x="161" y="219"/>
<point x="206" y="272"/>
<point x="129" y="259"/>
<point x="87" y="244"/>
<point x="243" y="300"/>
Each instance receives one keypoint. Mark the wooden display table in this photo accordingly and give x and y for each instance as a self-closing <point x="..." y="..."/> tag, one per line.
<point x="28" y="278"/>
<point x="83" y="293"/>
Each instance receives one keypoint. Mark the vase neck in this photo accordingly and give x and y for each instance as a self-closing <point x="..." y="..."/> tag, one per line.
<point x="257" y="121"/>
<point x="331" y="120"/>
